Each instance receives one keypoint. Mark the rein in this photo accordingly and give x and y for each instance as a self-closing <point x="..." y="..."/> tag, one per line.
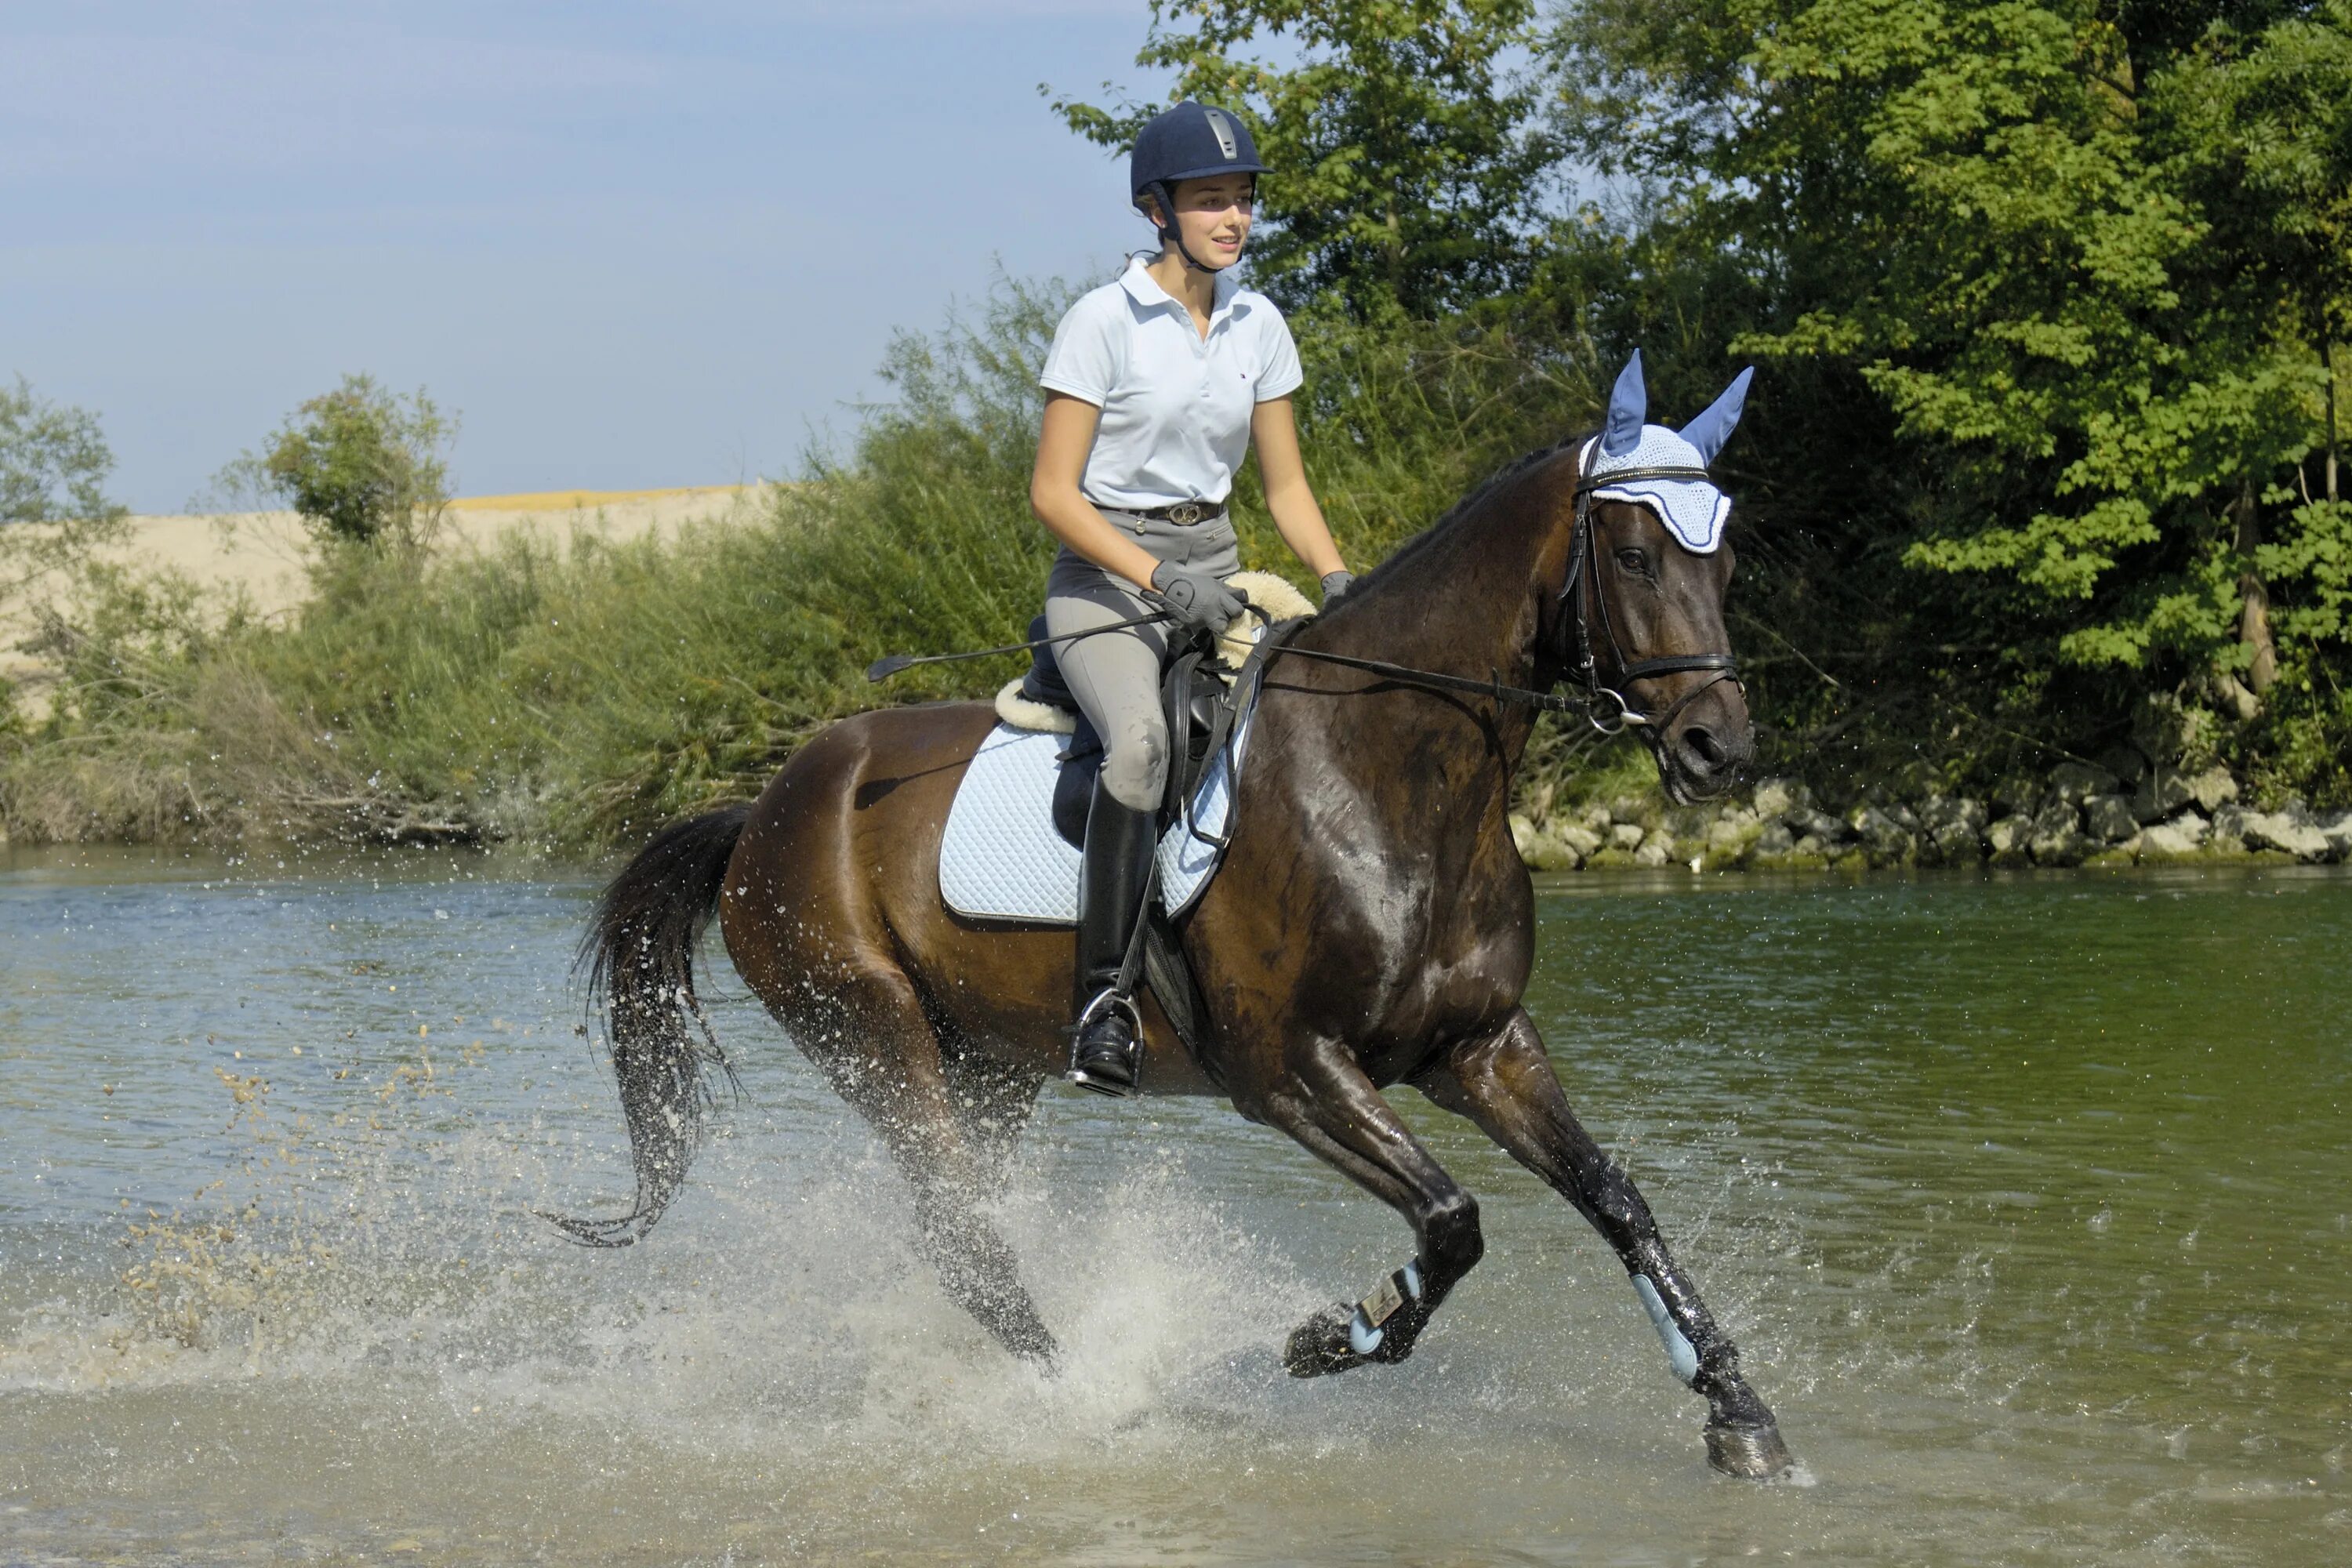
<point x="1605" y="708"/>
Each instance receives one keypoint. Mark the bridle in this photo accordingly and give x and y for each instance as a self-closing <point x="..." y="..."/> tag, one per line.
<point x="1606" y="708"/>
<point x="1621" y="713"/>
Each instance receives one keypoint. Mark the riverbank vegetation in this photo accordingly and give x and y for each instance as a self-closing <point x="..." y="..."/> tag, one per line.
<point x="2049" y="303"/>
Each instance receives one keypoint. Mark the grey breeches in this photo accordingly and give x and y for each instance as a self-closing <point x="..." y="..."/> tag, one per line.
<point x="1116" y="675"/>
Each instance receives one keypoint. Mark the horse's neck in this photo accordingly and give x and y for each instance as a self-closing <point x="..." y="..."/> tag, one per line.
<point x="1463" y="602"/>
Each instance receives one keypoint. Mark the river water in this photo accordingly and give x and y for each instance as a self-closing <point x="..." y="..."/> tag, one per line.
<point x="2029" y="1199"/>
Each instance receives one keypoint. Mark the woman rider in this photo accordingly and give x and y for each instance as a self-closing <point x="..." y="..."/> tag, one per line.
<point x="1156" y="385"/>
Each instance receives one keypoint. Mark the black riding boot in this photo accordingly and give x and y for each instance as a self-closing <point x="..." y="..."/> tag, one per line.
<point x="1106" y="1050"/>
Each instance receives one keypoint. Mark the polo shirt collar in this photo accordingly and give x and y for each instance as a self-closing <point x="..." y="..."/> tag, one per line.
<point x="1146" y="291"/>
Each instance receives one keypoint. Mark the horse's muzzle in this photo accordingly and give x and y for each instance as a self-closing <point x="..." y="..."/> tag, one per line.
<point x="1709" y="741"/>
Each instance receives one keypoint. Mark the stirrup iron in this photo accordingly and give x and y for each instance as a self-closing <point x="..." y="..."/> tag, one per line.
<point x="1105" y="1070"/>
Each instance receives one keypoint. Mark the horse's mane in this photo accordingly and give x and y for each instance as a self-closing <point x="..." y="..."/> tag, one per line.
<point x="1403" y="558"/>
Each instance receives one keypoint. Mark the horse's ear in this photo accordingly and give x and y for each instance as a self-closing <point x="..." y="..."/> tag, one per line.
<point x="1629" y="406"/>
<point x="1711" y="429"/>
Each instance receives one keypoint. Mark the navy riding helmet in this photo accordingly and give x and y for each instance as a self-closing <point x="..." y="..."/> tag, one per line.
<point x="1190" y="141"/>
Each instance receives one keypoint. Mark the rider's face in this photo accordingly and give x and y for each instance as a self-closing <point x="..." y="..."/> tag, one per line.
<point x="1213" y="216"/>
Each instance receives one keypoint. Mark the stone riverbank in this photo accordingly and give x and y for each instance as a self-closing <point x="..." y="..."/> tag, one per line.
<point x="2078" y="814"/>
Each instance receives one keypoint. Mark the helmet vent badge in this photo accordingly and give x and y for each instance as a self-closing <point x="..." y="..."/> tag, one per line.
<point x="1224" y="131"/>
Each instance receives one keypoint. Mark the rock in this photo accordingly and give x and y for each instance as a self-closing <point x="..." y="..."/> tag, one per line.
<point x="1732" y="836"/>
<point x="2019" y="794"/>
<point x="1902" y="816"/>
<point x="2177" y="839"/>
<point x="1884" y="840"/>
<point x="2109" y="818"/>
<point x="2338" y="832"/>
<point x="1594" y="817"/>
<point x="1779" y="797"/>
<point x="1808" y="822"/>
<point x="2074" y="783"/>
<point x="2213" y="789"/>
<point x="1774" y="842"/>
<point x="1583" y="840"/>
<point x="2057" y="840"/>
<point x="1657" y="850"/>
<point x="1814" y="846"/>
<point x="1626" y="835"/>
<point x="1523" y="834"/>
<point x="2159" y="792"/>
<point x="1939" y="812"/>
<point x="2126" y="763"/>
<point x="2006" y="840"/>
<point x="1956" y="845"/>
<point x="2279" y="830"/>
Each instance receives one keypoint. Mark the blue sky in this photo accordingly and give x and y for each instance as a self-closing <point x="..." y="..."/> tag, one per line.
<point x="631" y="246"/>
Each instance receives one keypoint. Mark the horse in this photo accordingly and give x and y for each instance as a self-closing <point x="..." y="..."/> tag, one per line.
<point x="1371" y="922"/>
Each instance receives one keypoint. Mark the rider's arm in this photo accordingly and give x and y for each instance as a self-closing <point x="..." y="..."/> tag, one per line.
<point x="1061" y="447"/>
<point x="1295" y="515"/>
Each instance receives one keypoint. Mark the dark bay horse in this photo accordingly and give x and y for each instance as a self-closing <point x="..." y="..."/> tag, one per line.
<point x="1371" y="925"/>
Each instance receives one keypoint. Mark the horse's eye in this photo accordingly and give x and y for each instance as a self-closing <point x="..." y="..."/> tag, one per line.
<point x="1633" y="560"/>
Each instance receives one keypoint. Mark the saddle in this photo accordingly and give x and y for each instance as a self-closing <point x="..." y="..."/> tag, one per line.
<point x="1198" y="700"/>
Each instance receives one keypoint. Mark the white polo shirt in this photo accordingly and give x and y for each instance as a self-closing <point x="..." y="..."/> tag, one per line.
<point x="1175" y="405"/>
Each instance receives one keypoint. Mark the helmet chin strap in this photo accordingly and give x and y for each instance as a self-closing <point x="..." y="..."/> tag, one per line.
<point x="1171" y="233"/>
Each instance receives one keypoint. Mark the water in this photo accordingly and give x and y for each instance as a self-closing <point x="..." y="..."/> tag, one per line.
<point x="2026" y="1198"/>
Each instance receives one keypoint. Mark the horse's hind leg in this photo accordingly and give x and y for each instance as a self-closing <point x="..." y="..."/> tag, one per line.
<point x="1328" y="1105"/>
<point x="949" y="1125"/>
<point x="1505" y="1082"/>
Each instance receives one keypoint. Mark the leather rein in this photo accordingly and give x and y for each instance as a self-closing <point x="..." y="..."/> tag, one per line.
<point x="1605" y="708"/>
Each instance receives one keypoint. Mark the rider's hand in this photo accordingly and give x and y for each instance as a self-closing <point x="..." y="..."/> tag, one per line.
<point x="1195" y="599"/>
<point x="1336" y="584"/>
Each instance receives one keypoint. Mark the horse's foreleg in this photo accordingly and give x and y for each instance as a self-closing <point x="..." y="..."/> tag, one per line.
<point x="949" y="1128"/>
<point x="1506" y="1083"/>
<point x="1328" y="1105"/>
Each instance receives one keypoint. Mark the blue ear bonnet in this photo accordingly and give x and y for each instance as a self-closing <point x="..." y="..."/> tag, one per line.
<point x="1694" y="510"/>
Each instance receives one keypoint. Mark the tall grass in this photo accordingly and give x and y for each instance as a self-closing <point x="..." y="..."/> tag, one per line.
<point x="582" y="696"/>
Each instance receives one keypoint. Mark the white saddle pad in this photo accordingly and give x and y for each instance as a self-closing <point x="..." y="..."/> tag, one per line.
<point x="1002" y="860"/>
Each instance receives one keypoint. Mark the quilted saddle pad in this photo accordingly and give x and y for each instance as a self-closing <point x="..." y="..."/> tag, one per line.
<point x="1002" y="860"/>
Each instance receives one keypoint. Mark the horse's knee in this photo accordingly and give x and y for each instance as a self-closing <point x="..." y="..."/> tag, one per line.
<point x="1451" y="1240"/>
<point x="1135" y="761"/>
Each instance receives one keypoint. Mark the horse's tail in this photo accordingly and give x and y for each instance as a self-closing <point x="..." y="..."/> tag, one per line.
<point x="640" y="954"/>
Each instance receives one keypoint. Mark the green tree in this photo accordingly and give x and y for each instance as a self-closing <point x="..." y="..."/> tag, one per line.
<point x="360" y="464"/>
<point x="1997" y="221"/>
<point x="53" y="466"/>
<point x="1411" y="169"/>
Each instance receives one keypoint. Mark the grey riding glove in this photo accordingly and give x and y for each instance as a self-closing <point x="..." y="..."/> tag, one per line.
<point x="1336" y="584"/>
<point x="1194" y="598"/>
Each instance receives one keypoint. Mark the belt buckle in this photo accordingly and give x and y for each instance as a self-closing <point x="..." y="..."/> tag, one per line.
<point x="1185" y="513"/>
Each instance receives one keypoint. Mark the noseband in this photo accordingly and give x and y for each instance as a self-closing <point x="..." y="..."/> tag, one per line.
<point x="1606" y="708"/>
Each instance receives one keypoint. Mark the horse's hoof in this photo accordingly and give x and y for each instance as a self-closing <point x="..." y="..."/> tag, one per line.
<point x="1751" y="1453"/>
<point x="1320" y="1345"/>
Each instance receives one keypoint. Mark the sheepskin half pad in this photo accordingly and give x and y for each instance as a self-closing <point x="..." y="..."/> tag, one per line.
<point x="1269" y="593"/>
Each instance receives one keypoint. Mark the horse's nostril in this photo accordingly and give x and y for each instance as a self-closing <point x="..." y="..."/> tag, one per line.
<point x="1702" y="743"/>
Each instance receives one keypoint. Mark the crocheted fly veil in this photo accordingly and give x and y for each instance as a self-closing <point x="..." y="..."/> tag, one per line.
<point x="1694" y="510"/>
